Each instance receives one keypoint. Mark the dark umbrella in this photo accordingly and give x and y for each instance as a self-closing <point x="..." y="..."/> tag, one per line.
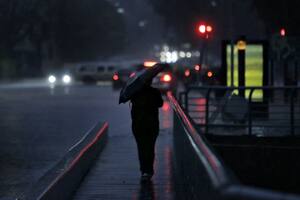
<point x="136" y="82"/>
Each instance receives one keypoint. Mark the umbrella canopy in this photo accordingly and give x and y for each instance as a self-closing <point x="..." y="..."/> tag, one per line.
<point x="137" y="81"/>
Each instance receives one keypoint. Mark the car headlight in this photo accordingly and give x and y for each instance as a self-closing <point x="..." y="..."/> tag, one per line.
<point x="66" y="79"/>
<point x="52" y="79"/>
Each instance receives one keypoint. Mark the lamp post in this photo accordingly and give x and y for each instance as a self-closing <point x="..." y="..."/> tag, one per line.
<point x="241" y="45"/>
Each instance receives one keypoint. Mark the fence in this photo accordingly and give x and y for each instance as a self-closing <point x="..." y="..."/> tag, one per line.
<point x="260" y="111"/>
<point x="200" y="173"/>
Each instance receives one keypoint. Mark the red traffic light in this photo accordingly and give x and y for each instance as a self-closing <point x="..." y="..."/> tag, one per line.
<point x="283" y="32"/>
<point x="209" y="29"/>
<point x="202" y="28"/>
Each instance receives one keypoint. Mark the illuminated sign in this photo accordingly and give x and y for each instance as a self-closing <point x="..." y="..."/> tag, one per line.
<point x="254" y="69"/>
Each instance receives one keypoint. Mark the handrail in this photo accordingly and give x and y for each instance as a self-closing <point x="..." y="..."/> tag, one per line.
<point x="242" y="87"/>
<point x="212" y="164"/>
<point x="226" y="185"/>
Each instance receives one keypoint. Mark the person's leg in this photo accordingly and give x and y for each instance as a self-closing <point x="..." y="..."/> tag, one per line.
<point x="149" y="153"/>
<point x="140" y="141"/>
<point x="146" y="150"/>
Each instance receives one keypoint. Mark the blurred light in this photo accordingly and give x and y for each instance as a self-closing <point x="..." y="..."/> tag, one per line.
<point x="66" y="79"/>
<point x="213" y="3"/>
<point x="174" y="56"/>
<point x="132" y="74"/>
<point x="202" y="28"/>
<point x="149" y="63"/>
<point x="115" y="77"/>
<point x="181" y="54"/>
<point x="163" y="59"/>
<point x="120" y="10"/>
<point x="169" y="57"/>
<point x="187" y="45"/>
<point x="241" y="45"/>
<point x="209" y="29"/>
<point x="188" y="54"/>
<point x="142" y="23"/>
<point x="52" y="79"/>
<point x="282" y="32"/>
<point x="166" y="78"/>
<point x="166" y="48"/>
<point x="166" y="106"/>
<point x="197" y="54"/>
<point x="197" y="67"/>
<point x="187" y="73"/>
<point x="210" y="74"/>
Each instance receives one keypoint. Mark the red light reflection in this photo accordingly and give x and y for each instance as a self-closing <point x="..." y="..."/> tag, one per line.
<point x="132" y="74"/>
<point x="166" y="107"/>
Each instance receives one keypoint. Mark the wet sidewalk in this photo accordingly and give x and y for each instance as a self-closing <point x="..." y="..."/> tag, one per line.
<point x="116" y="175"/>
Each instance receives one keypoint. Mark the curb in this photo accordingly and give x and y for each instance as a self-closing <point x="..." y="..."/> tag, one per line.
<point x="62" y="181"/>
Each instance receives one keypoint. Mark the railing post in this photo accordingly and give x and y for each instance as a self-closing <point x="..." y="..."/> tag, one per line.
<point x="186" y="102"/>
<point x="207" y="110"/>
<point x="180" y="98"/>
<point x="250" y="112"/>
<point x="292" y="110"/>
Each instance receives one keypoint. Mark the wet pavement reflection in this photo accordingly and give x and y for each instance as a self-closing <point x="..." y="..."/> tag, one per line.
<point x="146" y="191"/>
<point x="116" y="173"/>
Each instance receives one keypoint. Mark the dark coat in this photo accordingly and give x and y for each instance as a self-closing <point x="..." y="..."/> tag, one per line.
<point x="144" y="112"/>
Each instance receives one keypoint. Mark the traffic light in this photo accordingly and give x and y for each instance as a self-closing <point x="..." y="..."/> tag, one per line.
<point x="204" y="29"/>
<point x="282" y="32"/>
<point x="209" y="29"/>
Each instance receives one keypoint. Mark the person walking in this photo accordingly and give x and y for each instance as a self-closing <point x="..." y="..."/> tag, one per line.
<point x="145" y="126"/>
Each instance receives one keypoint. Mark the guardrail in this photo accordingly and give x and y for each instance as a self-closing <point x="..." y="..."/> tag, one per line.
<point x="258" y="111"/>
<point x="200" y="173"/>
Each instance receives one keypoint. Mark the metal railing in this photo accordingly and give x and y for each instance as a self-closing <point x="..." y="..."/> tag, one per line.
<point x="261" y="111"/>
<point x="200" y="171"/>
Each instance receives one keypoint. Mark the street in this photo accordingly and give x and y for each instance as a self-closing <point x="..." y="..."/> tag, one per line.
<point x="39" y="124"/>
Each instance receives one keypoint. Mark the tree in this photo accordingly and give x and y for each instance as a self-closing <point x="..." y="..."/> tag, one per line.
<point x="89" y="30"/>
<point x="17" y="21"/>
<point x="16" y="16"/>
<point x="80" y="30"/>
